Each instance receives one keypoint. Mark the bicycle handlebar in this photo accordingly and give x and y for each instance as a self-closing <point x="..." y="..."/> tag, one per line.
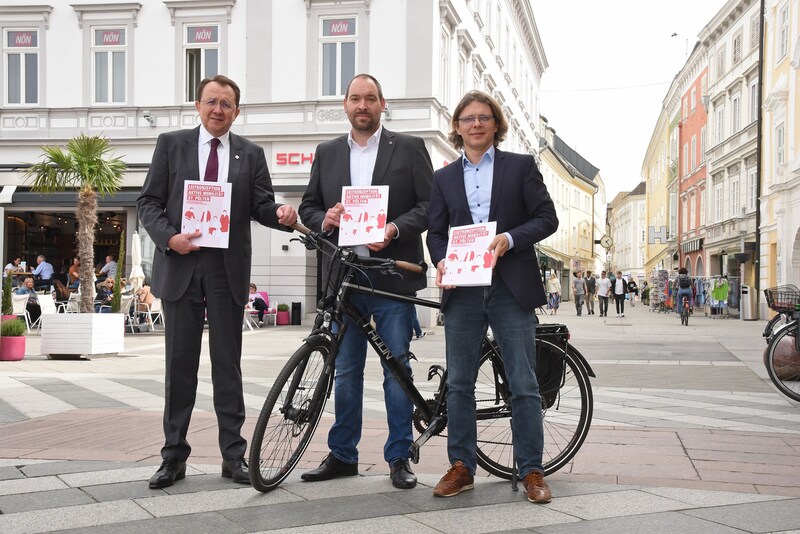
<point x="418" y="268"/>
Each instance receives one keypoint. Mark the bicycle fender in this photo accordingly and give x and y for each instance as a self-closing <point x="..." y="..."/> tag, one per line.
<point x="582" y="360"/>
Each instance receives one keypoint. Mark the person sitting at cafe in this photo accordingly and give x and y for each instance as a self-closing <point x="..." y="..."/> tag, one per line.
<point x="144" y="300"/>
<point x="43" y="273"/>
<point x="257" y="303"/>
<point x="12" y="267"/>
<point x="74" y="273"/>
<point x="102" y="303"/>
<point x="27" y="288"/>
<point x="109" y="270"/>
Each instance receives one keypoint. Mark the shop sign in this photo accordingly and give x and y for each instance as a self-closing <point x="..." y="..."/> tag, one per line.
<point x="292" y="158"/>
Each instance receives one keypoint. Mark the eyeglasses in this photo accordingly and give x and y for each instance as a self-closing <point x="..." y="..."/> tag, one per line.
<point x="213" y="102"/>
<point x="469" y="119"/>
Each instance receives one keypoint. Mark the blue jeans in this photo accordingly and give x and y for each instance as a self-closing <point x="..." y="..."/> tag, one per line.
<point x="469" y="311"/>
<point x="393" y="322"/>
<point x="683" y="292"/>
<point x="415" y="324"/>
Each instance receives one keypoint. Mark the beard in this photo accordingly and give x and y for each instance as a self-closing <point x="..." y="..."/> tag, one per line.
<point x="364" y="123"/>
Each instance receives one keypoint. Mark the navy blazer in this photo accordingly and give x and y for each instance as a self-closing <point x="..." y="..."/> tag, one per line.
<point x="521" y="206"/>
<point x="402" y="163"/>
<point x="160" y="206"/>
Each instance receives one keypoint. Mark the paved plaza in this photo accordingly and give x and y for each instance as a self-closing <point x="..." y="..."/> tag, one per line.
<point x="688" y="435"/>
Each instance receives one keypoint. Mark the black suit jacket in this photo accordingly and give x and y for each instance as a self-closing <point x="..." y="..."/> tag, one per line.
<point x="402" y="163"/>
<point x="521" y="206"/>
<point x="161" y="207"/>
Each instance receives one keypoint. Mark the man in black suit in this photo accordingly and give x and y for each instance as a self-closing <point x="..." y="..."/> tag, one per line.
<point x="196" y="283"/>
<point x="372" y="155"/>
<point x="487" y="184"/>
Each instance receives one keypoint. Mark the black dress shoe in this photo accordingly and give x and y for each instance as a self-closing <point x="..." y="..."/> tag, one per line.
<point x="402" y="475"/>
<point x="237" y="470"/>
<point x="171" y="470"/>
<point x="331" y="467"/>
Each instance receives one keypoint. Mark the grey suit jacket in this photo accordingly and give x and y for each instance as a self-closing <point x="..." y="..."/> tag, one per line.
<point x="161" y="201"/>
<point x="402" y="163"/>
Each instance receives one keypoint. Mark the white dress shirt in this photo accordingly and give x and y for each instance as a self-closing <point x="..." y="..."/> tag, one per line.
<point x="223" y="153"/>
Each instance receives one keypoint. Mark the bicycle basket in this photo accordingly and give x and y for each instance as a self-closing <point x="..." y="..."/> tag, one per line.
<point x="782" y="299"/>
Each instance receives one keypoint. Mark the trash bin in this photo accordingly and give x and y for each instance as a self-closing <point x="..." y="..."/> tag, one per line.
<point x="747" y="304"/>
<point x="295" y="313"/>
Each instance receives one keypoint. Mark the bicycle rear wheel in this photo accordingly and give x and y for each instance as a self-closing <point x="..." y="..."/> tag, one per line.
<point x="783" y="362"/>
<point x="290" y="414"/>
<point x="566" y="413"/>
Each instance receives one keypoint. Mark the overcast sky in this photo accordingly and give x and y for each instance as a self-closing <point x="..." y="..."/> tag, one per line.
<point x="610" y="66"/>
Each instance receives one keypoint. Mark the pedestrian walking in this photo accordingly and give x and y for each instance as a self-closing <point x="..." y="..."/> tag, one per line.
<point x="591" y="289"/>
<point x="553" y="293"/>
<point x="633" y="290"/>
<point x="603" y="293"/>
<point x="578" y="291"/>
<point x="619" y="290"/>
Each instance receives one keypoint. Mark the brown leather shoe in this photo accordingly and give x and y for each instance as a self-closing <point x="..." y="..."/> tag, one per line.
<point x="537" y="488"/>
<point x="456" y="480"/>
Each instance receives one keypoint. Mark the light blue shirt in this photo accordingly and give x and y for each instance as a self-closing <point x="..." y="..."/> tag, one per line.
<point x="44" y="270"/>
<point x="478" y="179"/>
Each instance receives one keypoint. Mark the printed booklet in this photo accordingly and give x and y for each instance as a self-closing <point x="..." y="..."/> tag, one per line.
<point x="469" y="263"/>
<point x="207" y="207"/>
<point x="364" y="218"/>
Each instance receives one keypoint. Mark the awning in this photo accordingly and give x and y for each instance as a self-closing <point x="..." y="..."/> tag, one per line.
<point x="126" y="197"/>
<point x="547" y="261"/>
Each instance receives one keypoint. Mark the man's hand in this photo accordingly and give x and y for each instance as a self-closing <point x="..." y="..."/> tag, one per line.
<point x="332" y="217"/>
<point x="440" y="268"/>
<point x="390" y="233"/>
<point x="498" y="247"/>
<point x="182" y="243"/>
<point x="287" y="215"/>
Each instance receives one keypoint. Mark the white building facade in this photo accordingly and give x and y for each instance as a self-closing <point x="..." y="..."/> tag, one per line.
<point x="129" y="71"/>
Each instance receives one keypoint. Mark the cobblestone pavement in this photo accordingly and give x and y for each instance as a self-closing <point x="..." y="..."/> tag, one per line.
<point x="688" y="434"/>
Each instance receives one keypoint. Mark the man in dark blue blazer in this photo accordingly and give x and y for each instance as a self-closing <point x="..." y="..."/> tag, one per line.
<point x="487" y="184"/>
<point x="372" y="155"/>
<point x="197" y="283"/>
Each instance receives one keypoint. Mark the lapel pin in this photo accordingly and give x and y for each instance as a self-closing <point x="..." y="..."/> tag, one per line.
<point x="236" y="156"/>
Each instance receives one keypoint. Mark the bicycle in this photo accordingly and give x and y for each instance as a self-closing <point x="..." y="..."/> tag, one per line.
<point x="784" y="317"/>
<point x="685" y="312"/>
<point x="782" y="359"/>
<point x="294" y="405"/>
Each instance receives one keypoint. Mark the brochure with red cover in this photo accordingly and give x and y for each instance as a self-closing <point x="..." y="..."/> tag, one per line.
<point x="364" y="218"/>
<point x="468" y="261"/>
<point x="207" y="207"/>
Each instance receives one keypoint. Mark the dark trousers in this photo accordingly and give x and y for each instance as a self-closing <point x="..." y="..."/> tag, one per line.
<point x="603" y="305"/>
<point x="208" y="295"/>
<point x="619" y="300"/>
<point x="261" y="306"/>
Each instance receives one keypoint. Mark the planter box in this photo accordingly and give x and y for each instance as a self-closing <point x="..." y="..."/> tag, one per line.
<point x="72" y="335"/>
<point x="12" y="348"/>
<point x="282" y="318"/>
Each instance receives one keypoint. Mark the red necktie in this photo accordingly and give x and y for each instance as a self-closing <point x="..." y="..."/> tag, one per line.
<point x="212" y="165"/>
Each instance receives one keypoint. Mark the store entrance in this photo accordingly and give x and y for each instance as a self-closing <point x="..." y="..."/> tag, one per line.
<point x="53" y="234"/>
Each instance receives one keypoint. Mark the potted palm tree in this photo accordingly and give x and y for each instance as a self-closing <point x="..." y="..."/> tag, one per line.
<point x="85" y="166"/>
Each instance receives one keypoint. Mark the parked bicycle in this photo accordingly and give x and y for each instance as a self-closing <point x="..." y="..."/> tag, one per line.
<point x="782" y="317"/>
<point x="782" y="357"/>
<point x="294" y="404"/>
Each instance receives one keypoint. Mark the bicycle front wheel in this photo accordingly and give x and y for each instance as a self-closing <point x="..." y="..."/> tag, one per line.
<point x="566" y="412"/>
<point x="783" y="362"/>
<point x="290" y="414"/>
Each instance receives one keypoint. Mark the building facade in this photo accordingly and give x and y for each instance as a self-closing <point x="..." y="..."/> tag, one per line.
<point x="731" y="40"/>
<point x="129" y="71"/>
<point x="780" y="154"/>
<point x="628" y="226"/>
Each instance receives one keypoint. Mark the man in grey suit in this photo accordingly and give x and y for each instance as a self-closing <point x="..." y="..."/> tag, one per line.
<point x="196" y="283"/>
<point x="372" y="155"/>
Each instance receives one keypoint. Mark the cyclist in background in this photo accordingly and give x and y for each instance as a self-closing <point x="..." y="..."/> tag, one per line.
<point x="683" y="286"/>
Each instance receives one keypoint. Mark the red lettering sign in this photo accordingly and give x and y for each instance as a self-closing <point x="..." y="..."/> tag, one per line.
<point x="293" y="158"/>
<point x="112" y="37"/>
<point x="337" y="27"/>
<point x="22" y="39"/>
